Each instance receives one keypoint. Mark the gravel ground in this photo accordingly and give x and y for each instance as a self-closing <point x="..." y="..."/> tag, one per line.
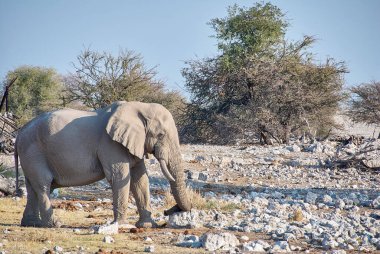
<point x="283" y="199"/>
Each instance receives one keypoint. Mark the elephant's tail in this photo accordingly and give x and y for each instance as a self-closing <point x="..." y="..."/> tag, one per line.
<point x="17" y="192"/>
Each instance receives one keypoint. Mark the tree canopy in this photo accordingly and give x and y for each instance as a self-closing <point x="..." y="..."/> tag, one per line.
<point x="36" y="90"/>
<point x="260" y="83"/>
<point x="364" y="105"/>
<point x="102" y="78"/>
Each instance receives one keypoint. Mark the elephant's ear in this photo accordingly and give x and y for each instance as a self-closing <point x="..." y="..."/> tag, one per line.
<point x="126" y="126"/>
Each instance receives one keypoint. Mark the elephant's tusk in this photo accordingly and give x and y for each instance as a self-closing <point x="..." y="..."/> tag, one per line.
<point x="166" y="172"/>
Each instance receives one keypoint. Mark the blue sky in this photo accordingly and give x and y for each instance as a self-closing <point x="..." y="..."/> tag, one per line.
<point x="166" y="33"/>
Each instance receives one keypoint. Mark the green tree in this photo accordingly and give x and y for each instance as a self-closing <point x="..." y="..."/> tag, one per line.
<point x="102" y="78"/>
<point x="260" y="83"/>
<point x="36" y="90"/>
<point x="255" y="31"/>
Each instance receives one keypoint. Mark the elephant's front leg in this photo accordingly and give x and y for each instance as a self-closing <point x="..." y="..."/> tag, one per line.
<point x="120" y="188"/>
<point x="140" y="191"/>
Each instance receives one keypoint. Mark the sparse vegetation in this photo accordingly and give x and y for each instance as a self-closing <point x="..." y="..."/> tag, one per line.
<point x="101" y="78"/>
<point x="364" y="105"/>
<point x="29" y="239"/>
<point x="298" y="215"/>
<point x="200" y="202"/>
<point x="260" y="84"/>
<point x="36" y="90"/>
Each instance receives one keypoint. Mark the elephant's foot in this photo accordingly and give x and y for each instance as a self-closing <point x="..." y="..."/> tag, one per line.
<point x="53" y="223"/>
<point x="123" y="223"/>
<point x="146" y="223"/>
<point x="31" y="222"/>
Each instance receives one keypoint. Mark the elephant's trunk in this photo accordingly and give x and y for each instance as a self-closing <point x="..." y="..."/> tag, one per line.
<point x="180" y="195"/>
<point x="178" y="186"/>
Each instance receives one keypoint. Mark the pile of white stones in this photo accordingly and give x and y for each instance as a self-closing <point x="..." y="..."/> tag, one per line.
<point x="338" y="209"/>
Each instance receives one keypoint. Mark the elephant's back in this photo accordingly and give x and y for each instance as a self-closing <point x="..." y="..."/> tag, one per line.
<point x="67" y="139"/>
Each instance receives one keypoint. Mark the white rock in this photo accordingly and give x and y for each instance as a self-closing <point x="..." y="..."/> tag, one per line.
<point x="277" y="195"/>
<point x="200" y="158"/>
<point x="189" y="241"/>
<point x="108" y="229"/>
<point x="78" y="206"/>
<point x="108" y="239"/>
<point x="149" y="248"/>
<point x="194" y="175"/>
<point x="253" y="246"/>
<point x="202" y="176"/>
<point x="338" y="252"/>
<point x="311" y="197"/>
<point x="376" y="203"/>
<point x="184" y="219"/>
<point x="329" y="243"/>
<point x="244" y="238"/>
<point x="224" y="241"/>
<point x="327" y="199"/>
<point x="339" y="203"/>
<point x="247" y="247"/>
<point x="58" y="248"/>
<point x="261" y="201"/>
<point x="258" y="248"/>
<point x="289" y="236"/>
<point x="54" y="193"/>
<point x="315" y="148"/>
<point x="281" y="246"/>
<point x="332" y="224"/>
<point x="148" y="239"/>
<point x="294" y="148"/>
<point x="265" y="245"/>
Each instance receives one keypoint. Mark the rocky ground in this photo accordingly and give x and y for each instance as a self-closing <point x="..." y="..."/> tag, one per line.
<point x="287" y="198"/>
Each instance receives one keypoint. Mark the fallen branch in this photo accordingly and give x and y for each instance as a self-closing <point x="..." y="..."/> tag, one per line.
<point x="354" y="161"/>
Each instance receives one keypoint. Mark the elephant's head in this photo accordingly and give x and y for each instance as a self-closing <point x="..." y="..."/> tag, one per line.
<point x="149" y="128"/>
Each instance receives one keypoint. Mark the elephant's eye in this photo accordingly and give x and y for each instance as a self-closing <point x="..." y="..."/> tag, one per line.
<point x="161" y="136"/>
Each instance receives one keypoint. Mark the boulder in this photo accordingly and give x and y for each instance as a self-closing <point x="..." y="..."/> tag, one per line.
<point x="108" y="229"/>
<point x="184" y="219"/>
<point x="189" y="241"/>
<point x="215" y="241"/>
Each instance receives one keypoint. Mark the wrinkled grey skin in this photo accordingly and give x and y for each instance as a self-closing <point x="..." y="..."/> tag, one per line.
<point x="71" y="148"/>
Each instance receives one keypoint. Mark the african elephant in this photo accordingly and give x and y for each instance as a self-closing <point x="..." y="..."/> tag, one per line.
<point x="71" y="148"/>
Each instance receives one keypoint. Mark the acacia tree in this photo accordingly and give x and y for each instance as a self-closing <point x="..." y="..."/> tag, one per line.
<point x="102" y="78"/>
<point x="36" y="90"/>
<point x="364" y="105"/>
<point x="260" y="83"/>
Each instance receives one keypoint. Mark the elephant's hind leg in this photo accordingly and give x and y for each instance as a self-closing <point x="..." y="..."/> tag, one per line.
<point x="31" y="216"/>
<point x="140" y="191"/>
<point x="41" y="182"/>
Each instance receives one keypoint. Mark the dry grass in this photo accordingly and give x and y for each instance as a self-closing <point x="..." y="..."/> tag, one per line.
<point x="38" y="240"/>
<point x="200" y="203"/>
<point x="298" y="215"/>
